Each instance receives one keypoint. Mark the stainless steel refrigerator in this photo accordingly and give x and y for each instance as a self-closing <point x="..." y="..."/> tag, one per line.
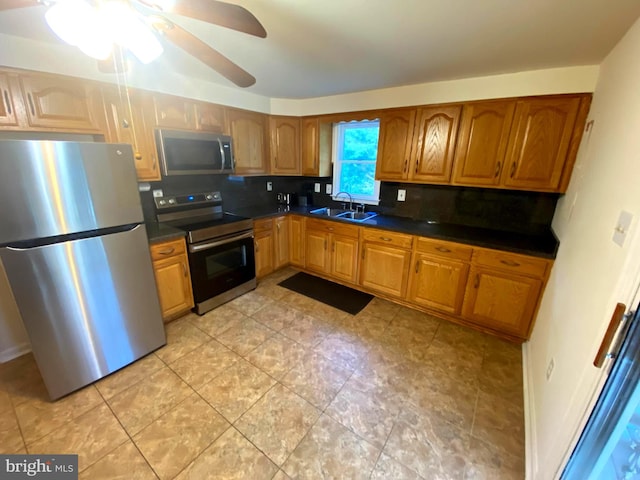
<point x="75" y="250"/>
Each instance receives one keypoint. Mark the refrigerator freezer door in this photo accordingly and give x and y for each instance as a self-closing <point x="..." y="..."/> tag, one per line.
<point x="89" y="306"/>
<point x="51" y="188"/>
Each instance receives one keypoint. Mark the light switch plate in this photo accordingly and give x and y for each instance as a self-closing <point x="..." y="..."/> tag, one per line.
<point x="622" y="227"/>
<point x="316" y="188"/>
<point x="269" y="186"/>
<point x="402" y="195"/>
<point x="157" y="193"/>
<point x="327" y="188"/>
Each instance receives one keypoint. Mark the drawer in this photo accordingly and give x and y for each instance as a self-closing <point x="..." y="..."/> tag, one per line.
<point x="168" y="249"/>
<point x="443" y="248"/>
<point x="386" y="237"/>
<point x="512" y="262"/>
<point x="337" y="228"/>
<point x="263" y="225"/>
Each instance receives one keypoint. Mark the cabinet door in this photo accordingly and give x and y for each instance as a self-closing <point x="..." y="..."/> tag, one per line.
<point x="344" y="258"/>
<point x="539" y="142"/>
<point x="281" y="242"/>
<point x="285" y="145"/>
<point x="501" y="301"/>
<point x="58" y="103"/>
<point x="264" y="253"/>
<point x="210" y="117"/>
<point x="385" y="269"/>
<point x="394" y="144"/>
<point x="8" y="117"/>
<point x="249" y="133"/>
<point x="309" y="154"/>
<point x="434" y="144"/>
<point x="316" y="251"/>
<point x="437" y="283"/>
<point x="127" y="122"/>
<point x="482" y="142"/>
<point x="174" y="112"/>
<point x="174" y="285"/>
<point x="296" y="240"/>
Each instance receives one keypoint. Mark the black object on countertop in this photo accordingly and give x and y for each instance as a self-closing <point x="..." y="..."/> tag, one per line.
<point x="338" y="296"/>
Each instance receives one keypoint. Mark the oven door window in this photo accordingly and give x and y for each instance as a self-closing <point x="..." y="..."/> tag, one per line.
<point x="221" y="268"/>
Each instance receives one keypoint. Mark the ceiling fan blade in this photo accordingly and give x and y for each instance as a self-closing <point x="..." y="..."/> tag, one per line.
<point x="11" y="4"/>
<point x="207" y="55"/>
<point x="212" y="11"/>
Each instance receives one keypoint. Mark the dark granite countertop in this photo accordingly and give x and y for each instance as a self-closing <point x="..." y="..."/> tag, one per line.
<point x="160" y="232"/>
<point x="543" y="245"/>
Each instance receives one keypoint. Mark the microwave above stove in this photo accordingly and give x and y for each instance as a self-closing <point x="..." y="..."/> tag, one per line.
<point x="194" y="153"/>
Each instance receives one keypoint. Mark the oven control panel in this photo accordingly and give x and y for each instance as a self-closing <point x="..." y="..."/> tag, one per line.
<point x="206" y="198"/>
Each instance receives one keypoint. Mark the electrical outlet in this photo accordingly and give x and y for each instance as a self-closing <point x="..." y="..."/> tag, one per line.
<point x="316" y="188"/>
<point x="552" y="363"/>
<point x="402" y="195"/>
<point x="269" y="186"/>
<point x="327" y="189"/>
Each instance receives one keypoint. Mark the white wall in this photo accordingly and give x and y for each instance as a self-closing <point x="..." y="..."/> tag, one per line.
<point x="591" y="273"/>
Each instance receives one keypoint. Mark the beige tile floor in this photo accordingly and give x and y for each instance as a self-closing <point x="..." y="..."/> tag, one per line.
<point x="276" y="385"/>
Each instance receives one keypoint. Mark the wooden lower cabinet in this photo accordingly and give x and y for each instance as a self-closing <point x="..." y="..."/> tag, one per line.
<point x="281" y="242"/>
<point x="437" y="283"/>
<point x="173" y="281"/>
<point x="501" y="301"/>
<point x="296" y="240"/>
<point x="332" y="249"/>
<point x="264" y="246"/>
<point x="384" y="268"/>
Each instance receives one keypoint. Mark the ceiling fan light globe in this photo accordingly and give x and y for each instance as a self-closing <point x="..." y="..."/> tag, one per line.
<point x="145" y="46"/>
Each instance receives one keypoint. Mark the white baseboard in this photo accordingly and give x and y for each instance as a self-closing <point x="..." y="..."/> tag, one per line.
<point x="531" y="451"/>
<point x="14" y="352"/>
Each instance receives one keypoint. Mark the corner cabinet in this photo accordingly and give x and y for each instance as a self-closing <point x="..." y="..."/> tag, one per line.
<point x="173" y="281"/>
<point x="129" y="120"/>
<point x="250" y="133"/>
<point x="285" y="145"/>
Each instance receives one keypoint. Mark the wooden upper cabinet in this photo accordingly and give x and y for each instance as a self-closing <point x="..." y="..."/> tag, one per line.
<point x="285" y="145"/>
<point x="174" y="112"/>
<point x="394" y="144"/>
<point x="60" y="103"/>
<point x="316" y="147"/>
<point x="249" y="131"/>
<point x="210" y="117"/>
<point x="539" y="142"/>
<point x="434" y="143"/>
<point x="129" y="119"/>
<point x="8" y="115"/>
<point x="482" y="142"/>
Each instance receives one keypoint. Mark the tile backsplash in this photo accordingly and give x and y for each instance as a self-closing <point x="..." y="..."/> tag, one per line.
<point x="507" y="210"/>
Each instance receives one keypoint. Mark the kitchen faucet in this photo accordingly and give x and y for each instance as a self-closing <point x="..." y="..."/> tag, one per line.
<point x="350" y="199"/>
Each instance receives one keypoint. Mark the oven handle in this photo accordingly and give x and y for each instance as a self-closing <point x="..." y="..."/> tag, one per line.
<point x="206" y="246"/>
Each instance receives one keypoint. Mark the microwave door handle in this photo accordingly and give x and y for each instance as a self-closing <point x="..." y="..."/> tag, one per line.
<point x="221" y="155"/>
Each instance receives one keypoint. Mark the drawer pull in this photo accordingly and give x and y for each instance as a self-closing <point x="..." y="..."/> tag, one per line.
<point x="476" y="284"/>
<point x="7" y="102"/>
<point x="184" y="269"/>
<point x="386" y="239"/>
<point x="167" y="251"/>
<point x="443" y="249"/>
<point x="510" y="263"/>
<point x="330" y="229"/>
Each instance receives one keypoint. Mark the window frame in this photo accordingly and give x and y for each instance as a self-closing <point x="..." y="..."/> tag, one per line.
<point x="338" y="136"/>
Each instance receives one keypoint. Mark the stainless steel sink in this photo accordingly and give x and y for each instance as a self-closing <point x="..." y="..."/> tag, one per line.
<point x="329" y="212"/>
<point x="357" y="216"/>
<point x="344" y="214"/>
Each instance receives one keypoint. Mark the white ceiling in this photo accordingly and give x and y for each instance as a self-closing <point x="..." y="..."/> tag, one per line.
<point x="324" y="47"/>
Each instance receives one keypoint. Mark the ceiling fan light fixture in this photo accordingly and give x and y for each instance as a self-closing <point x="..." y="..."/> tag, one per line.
<point x="77" y="24"/>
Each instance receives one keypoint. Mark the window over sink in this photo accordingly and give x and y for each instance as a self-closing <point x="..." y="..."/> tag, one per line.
<point x="355" y="150"/>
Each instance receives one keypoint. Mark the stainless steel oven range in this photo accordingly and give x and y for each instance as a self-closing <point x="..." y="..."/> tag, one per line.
<point x="220" y="246"/>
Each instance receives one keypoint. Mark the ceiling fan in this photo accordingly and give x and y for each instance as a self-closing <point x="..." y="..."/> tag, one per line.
<point x="128" y="28"/>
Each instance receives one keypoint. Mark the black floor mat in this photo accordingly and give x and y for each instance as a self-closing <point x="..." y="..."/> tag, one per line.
<point x="338" y="296"/>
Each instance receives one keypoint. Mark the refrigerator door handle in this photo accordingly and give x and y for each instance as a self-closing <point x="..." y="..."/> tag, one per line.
<point x="619" y="323"/>
<point x="43" y="242"/>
